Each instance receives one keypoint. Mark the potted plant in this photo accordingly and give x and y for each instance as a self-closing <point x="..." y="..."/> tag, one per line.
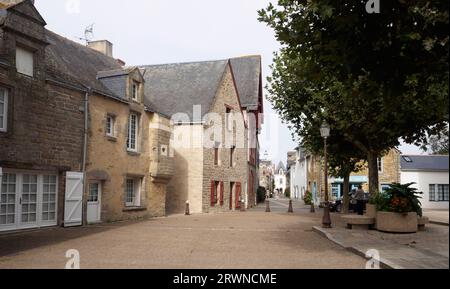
<point x="398" y="208"/>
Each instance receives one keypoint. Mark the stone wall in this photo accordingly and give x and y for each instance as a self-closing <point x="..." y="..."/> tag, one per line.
<point x="238" y="173"/>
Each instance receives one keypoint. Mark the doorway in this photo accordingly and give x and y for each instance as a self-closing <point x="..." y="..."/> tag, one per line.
<point x="94" y="206"/>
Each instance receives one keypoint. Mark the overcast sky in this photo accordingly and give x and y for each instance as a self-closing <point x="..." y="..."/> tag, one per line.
<point x="167" y="31"/>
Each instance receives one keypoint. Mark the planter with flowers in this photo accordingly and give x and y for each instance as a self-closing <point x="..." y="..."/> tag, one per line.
<point x="398" y="209"/>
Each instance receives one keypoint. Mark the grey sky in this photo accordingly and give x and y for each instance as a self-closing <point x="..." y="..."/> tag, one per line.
<point x="163" y="31"/>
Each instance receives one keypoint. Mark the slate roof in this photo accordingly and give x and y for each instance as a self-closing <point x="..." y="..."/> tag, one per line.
<point x="247" y="72"/>
<point x="424" y="163"/>
<point x="176" y="88"/>
<point x="281" y="166"/>
<point x="69" y="61"/>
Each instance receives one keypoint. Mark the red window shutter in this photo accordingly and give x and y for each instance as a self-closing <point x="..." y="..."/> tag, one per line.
<point x="238" y="195"/>
<point x="221" y="194"/>
<point x="213" y="193"/>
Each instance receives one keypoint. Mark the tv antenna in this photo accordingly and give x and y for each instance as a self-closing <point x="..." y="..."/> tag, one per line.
<point x="88" y="34"/>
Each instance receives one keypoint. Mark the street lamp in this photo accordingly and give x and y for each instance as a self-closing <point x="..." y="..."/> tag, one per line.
<point x="325" y="133"/>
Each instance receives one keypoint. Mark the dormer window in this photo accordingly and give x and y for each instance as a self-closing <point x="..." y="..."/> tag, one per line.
<point x="135" y="91"/>
<point x="25" y="61"/>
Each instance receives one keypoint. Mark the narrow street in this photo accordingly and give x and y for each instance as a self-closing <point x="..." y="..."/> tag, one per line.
<point x="239" y="240"/>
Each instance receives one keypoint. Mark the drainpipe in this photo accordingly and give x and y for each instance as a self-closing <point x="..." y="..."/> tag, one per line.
<point x="85" y="148"/>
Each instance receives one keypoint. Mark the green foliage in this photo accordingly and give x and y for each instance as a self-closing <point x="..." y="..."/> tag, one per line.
<point x="287" y="192"/>
<point x="399" y="199"/>
<point x="308" y="198"/>
<point x="437" y="144"/>
<point x="261" y="194"/>
<point x="375" y="78"/>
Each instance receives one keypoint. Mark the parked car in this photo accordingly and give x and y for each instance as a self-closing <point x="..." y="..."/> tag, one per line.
<point x="337" y="205"/>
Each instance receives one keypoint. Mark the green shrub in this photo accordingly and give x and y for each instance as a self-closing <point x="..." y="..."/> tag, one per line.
<point x="307" y="198"/>
<point x="261" y="194"/>
<point x="399" y="199"/>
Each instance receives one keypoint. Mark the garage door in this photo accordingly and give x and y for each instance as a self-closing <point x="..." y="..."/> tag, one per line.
<point x="28" y="200"/>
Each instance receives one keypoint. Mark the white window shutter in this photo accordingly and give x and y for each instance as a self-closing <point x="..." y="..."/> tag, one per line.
<point x="73" y="207"/>
<point x="25" y="61"/>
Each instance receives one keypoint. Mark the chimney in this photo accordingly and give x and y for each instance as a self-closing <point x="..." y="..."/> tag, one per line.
<point x="103" y="46"/>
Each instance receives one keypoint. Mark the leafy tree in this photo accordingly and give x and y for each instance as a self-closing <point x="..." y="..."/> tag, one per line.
<point x="437" y="144"/>
<point x="375" y="78"/>
<point x="343" y="157"/>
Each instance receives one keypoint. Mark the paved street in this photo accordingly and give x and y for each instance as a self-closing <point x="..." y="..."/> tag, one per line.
<point x="249" y="240"/>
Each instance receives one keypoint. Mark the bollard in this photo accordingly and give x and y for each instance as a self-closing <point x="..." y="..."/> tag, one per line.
<point x="267" y="206"/>
<point x="291" y="209"/>
<point x="313" y="210"/>
<point x="188" y="212"/>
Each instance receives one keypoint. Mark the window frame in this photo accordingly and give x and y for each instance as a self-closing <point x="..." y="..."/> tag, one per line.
<point x="135" y="200"/>
<point x="441" y="192"/>
<point x="135" y="90"/>
<point x="4" y="113"/>
<point x="228" y="118"/>
<point x="130" y="148"/>
<point x="112" y="131"/>
<point x="25" y="50"/>
<point x="232" y="156"/>
<point x="380" y="165"/>
<point x="432" y="193"/>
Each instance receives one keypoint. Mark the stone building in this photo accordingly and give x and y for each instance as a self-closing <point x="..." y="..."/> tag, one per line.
<point x="389" y="172"/>
<point x="41" y="122"/>
<point x="56" y="108"/>
<point x="210" y="134"/>
<point x="280" y="180"/>
<point x="266" y="174"/>
<point x="247" y="72"/>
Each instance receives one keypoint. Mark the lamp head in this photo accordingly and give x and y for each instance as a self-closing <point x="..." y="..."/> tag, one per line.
<point x="325" y="130"/>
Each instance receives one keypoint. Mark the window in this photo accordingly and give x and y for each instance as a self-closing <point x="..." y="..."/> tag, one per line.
<point x="133" y="190"/>
<point x="232" y="152"/>
<point x="216" y="154"/>
<point x="336" y="190"/>
<point x="132" y="132"/>
<point x="93" y="192"/>
<point x="3" y="109"/>
<point x="135" y="90"/>
<point x="407" y="159"/>
<point x="229" y="119"/>
<point x="432" y="193"/>
<point x="25" y="61"/>
<point x="384" y="187"/>
<point x="380" y="165"/>
<point x="438" y="193"/>
<point x="110" y="123"/>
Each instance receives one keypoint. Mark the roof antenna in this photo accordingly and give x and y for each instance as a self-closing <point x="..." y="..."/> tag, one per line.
<point x="88" y="34"/>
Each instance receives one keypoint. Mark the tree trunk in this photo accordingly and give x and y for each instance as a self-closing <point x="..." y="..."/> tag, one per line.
<point x="346" y="199"/>
<point x="372" y="160"/>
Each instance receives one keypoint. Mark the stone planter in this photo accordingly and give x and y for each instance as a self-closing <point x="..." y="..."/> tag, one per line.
<point x="397" y="223"/>
<point x="371" y="211"/>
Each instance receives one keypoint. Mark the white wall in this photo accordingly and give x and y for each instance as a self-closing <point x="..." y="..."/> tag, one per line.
<point x="298" y="179"/>
<point x="424" y="180"/>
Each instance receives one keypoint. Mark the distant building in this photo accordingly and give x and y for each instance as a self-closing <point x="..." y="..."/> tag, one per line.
<point x="307" y="174"/>
<point x="430" y="173"/>
<point x="280" y="180"/>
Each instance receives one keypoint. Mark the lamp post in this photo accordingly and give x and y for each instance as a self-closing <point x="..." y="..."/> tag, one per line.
<point x="325" y="133"/>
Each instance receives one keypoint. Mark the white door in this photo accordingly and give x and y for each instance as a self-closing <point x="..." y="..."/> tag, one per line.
<point x="27" y="200"/>
<point x="73" y="205"/>
<point x="94" y="203"/>
<point x="8" y="201"/>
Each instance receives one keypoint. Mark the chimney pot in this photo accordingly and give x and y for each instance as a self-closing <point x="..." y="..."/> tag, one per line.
<point x="103" y="46"/>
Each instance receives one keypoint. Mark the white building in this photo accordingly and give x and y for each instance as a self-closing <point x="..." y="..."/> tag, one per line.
<point x="280" y="179"/>
<point x="298" y="174"/>
<point x="430" y="173"/>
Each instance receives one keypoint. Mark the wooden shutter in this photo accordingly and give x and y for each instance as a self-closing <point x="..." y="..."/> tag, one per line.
<point x="74" y="199"/>
<point x="213" y="191"/>
<point x="238" y="195"/>
<point x="221" y="194"/>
